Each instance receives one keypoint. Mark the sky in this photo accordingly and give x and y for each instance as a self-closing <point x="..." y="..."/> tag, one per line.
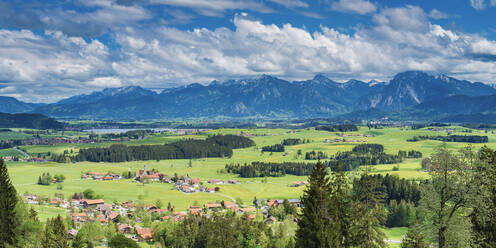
<point x="50" y="50"/>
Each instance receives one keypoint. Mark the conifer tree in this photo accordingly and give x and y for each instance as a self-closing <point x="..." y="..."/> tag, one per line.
<point x="367" y="213"/>
<point x="414" y="238"/>
<point x="78" y="241"/>
<point x="8" y="202"/>
<point x="313" y="222"/>
<point x="48" y="240"/>
<point x="60" y="232"/>
<point x="340" y="209"/>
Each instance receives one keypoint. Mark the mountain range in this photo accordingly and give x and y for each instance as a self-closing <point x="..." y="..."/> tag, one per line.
<point x="409" y="95"/>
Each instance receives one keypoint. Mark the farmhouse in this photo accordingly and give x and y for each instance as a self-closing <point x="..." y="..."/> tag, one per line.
<point x="212" y="206"/>
<point x="144" y="234"/>
<point x="92" y="203"/>
<point x="124" y="228"/>
<point x="215" y="181"/>
<point x="298" y="184"/>
<point x="79" y="217"/>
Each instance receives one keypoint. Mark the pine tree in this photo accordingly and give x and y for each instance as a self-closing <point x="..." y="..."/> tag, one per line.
<point x="60" y="232"/>
<point x="367" y="213"/>
<point x="48" y="240"/>
<point x="414" y="238"/>
<point x="8" y="202"/>
<point x="340" y="209"/>
<point x="313" y="222"/>
<point x="78" y="241"/>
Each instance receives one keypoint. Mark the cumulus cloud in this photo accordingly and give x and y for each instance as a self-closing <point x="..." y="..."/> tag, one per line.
<point x="436" y="14"/>
<point x="354" y="6"/>
<point x="96" y="20"/>
<point x="107" y="82"/>
<point x="54" y="65"/>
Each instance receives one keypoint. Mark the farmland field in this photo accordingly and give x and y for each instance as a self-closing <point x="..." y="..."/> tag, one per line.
<point x="25" y="174"/>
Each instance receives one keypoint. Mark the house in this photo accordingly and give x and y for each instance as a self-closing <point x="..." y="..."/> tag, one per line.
<point x="144" y="234"/>
<point x="251" y="216"/>
<point x="107" y="178"/>
<point x="212" y="206"/>
<point x="102" y="219"/>
<point x="215" y="181"/>
<point x="92" y="203"/>
<point x="71" y="233"/>
<point x="31" y="199"/>
<point x="232" y="181"/>
<point x="294" y="201"/>
<point x="158" y="210"/>
<point x="298" y="184"/>
<point x="124" y="228"/>
<point x="247" y="210"/>
<point x="104" y="208"/>
<point x="195" y="210"/>
<point x="79" y="217"/>
<point x="179" y="215"/>
<point x="273" y="203"/>
<point x="114" y="217"/>
<point x="231" y="205"/>
<point x="195" y="181"/>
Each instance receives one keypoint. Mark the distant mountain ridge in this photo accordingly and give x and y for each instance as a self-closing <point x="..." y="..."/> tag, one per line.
<point x="12" y="105"/>
<point x="409" y="95"/>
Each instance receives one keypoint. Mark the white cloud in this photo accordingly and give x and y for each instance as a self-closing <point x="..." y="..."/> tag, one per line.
<point x="106" y="82"/>
<point x="291" y="3"/>
<point x="436" y="14"/>
<point x="478" y="4"/>
<point x="53" y="65"/>
<point x="216" y="7"/>
<point x="354" y="6"/>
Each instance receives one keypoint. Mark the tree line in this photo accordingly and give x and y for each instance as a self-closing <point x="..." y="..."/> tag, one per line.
<point x="273" y="148"/>
<point x="270" y="169"/>
<point x="294" y="141"/>
<point x="312" y="155"/>
<point x="362" y="154"/>
<point x="215" y="146"/>
<point x="452" y="138"/>
<point x="338" y="128"/>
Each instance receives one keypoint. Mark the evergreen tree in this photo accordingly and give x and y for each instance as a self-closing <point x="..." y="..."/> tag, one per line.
<point x="367" y="213"/>
<point x="60" y="232"/>
<point x="55" y="235"/>
<point x="414" y="238"/>
<point x="48" y="240"/>
<point x="120" y="241"/>
<point x="340" y="206"/>
<point x="8" y="202"/>
<point x="78" y="241"/>
<point x="314" y="221"/>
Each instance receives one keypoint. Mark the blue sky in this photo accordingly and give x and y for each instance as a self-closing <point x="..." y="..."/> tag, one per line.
<point x="51" y="50"/>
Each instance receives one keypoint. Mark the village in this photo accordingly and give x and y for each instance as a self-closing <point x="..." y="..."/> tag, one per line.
<point x="128" y="215"/>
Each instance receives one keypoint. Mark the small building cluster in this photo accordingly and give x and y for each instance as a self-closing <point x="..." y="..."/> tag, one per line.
<point x="101" y="176"/>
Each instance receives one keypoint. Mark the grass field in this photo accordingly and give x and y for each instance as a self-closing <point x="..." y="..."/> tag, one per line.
<point x="24" y="175"/>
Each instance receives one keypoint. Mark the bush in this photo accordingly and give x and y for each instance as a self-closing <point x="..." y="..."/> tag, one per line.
<point x="121" y="241"/>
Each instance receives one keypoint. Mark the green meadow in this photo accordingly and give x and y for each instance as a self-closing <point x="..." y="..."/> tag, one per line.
<point x="24" y="175"/>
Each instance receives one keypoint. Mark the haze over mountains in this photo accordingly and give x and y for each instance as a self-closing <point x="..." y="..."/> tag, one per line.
<point x="409" y="95"/>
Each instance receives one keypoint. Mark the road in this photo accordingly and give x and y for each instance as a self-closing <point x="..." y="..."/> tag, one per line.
<point x="22" y="152"/>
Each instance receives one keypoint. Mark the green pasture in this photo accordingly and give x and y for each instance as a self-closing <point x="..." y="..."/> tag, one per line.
<point x="24" y="175"/>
